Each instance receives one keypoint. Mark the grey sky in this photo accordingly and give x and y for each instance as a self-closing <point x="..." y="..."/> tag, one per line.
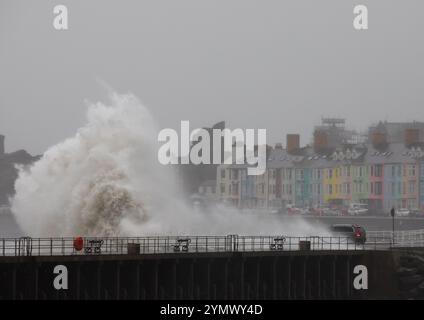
<point x="278" y="65"/>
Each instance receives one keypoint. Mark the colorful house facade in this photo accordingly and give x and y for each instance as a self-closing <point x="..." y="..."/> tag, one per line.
<point x="380" y="178"/>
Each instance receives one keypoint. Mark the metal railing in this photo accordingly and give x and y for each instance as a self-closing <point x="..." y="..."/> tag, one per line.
<point x="405" y="238"/>
<point x="26" y="246"/>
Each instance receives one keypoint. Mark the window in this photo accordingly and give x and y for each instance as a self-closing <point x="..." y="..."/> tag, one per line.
<point x="378" y="189"/>
<point x="378" y="170"/>
<point x="299" y="189"/>
<point x="412" y="170"/>
<point x="411" y="187"/>
<point x="223" y="173"/>
<point x="222" y="188"/>
<point x="342" y="229"/>
<point x="299" y="174"/>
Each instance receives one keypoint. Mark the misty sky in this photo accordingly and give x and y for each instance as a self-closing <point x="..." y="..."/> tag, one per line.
<point x="278" y="65"/>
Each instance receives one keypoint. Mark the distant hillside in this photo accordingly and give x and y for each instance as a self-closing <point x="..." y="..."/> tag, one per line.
<point x="8" y="172"/>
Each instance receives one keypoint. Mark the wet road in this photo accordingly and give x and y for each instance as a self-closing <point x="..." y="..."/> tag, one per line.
<point x="9" y="227"/>
<point x="372" y="223"/>
<point x="368" y="222"/>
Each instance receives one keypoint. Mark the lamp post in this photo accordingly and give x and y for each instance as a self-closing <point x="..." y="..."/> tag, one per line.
<point x="392" y="213"/>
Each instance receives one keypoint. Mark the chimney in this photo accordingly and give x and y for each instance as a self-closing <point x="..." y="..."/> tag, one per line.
<point x="412" y="136"/>
<point x="1" y="145"/>
<point x="379" y="139"/>
<point x="320" y="141"/>
<point x="292" y="142"/>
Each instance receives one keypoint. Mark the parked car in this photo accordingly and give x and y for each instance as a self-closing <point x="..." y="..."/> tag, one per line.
<point x="325" y="211"/>
<point x="292" y="210"/>
<point x="305" y="211"/>
<point x="317" y="211"/>
<point x="415" y="213"/>
<point x="351" y="231"/>
<point x="402" y="212"/>
<point x="357" y="209"/>
<point x="331" y="212"/>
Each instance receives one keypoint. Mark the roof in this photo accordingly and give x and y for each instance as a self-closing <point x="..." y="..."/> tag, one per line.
<point x="306" y="157"/>
<point x="393" y="153"/>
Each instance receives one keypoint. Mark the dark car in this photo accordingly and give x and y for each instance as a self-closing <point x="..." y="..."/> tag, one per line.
<point x="352" y="231"/>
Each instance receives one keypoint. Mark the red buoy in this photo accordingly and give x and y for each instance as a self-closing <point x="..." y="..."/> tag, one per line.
<point x="78" y="243"/>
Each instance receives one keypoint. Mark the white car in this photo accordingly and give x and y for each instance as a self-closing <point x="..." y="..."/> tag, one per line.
<point x="357" y="209"/>
<point x="402" y="212"/>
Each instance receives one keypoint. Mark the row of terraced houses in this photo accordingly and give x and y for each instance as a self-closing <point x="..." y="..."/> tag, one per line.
<point x="383" y="169"/>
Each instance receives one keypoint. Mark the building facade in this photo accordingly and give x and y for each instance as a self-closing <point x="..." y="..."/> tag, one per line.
<point x="380" y="174"/>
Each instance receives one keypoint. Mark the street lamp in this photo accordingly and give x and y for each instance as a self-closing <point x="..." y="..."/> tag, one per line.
<point x="392" y="213"/>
